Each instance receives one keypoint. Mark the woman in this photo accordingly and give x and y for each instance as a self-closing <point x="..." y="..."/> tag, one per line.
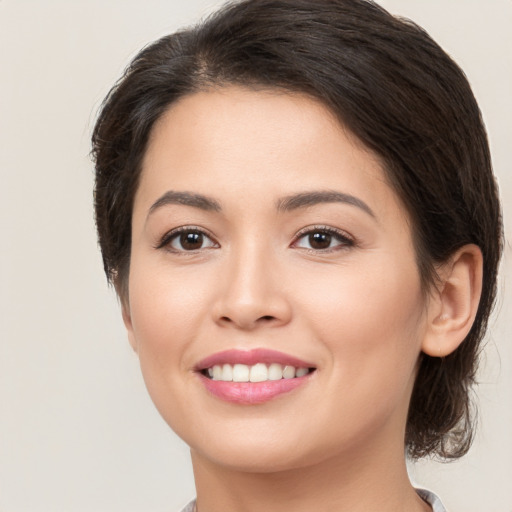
<point x="296" y="206"/>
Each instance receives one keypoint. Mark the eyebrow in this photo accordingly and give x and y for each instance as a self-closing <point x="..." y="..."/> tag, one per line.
<point x="285" y="204"/>
<point x="305" y="199"/>
<point x="187" y="199"/>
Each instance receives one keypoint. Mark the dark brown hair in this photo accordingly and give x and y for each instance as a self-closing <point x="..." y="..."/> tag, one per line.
<point x="393" y="87"/>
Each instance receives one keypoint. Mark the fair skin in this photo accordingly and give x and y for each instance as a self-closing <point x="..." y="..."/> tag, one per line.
<point x="291" y="240"/>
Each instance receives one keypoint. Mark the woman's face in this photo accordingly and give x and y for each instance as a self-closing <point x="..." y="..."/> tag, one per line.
<point x="267" y="246"/>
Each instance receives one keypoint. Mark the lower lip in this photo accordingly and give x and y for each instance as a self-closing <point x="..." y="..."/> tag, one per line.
<point x="250" y="393"/>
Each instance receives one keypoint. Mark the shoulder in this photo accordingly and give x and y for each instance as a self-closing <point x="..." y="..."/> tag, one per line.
<point x="190" y="507"/>
<point x="431" y="499"/>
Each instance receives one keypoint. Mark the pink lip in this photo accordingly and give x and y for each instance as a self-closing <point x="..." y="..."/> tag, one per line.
<point x="249" y="393"/>
<point x="251" y="357"/>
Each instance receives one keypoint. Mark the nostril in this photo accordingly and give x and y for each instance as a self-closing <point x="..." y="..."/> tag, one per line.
<point x="250" y="315"/>
<point x="265" y="318"/>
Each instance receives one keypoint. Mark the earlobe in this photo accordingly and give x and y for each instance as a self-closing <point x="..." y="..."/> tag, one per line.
<point x="454" y="303"/>
<point x="127" y="319"/>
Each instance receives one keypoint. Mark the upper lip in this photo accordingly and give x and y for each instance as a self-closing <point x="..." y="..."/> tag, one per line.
<point x="251" y="357"/>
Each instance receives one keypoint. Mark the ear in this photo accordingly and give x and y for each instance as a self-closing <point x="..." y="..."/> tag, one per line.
<point x="127" y="319"/>
<point x="454" y="302"/>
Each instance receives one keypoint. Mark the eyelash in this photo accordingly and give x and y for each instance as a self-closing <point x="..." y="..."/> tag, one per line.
<point x="169" y="237"/>
<point x="345" y="241"/>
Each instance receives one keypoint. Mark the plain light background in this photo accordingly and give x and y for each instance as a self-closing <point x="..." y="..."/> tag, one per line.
<point x="77" y="430"/>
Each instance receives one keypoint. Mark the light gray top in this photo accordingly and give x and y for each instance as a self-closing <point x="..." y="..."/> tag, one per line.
<point x="431" y="499"/>
<point x="428" y="496"/>
<point x="189" y="507"/>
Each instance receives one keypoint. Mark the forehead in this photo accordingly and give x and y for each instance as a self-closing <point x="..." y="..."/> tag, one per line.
<point x="235" y="143"/>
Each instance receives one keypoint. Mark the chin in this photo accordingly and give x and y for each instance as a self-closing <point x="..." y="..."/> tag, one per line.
<point x="254" y="458"/>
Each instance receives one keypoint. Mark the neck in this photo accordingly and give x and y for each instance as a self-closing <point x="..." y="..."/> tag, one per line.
<point x="349" y="482"/>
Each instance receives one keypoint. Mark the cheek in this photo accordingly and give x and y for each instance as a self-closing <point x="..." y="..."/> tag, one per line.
<point x="164" y="302"/>
<point x="166" y="310"/>
<point x="372" y="329"/>
<point x="372" y="321"/>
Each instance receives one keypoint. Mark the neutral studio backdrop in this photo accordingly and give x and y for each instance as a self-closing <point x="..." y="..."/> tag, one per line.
<point x="78" y="432"/>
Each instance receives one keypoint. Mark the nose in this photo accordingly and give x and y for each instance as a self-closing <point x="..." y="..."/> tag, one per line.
<point x="251" y="294"/>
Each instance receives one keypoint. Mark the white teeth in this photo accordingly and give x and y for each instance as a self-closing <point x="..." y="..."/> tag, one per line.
<point x="288" y="372"/>
<point x="240" y="373"/>
<point x="300" y="372"/>
<point x="217" y="372"/>
<point x="227" y="372"/>
<point x="275" y="372"/>
<point x="259" y="372"/>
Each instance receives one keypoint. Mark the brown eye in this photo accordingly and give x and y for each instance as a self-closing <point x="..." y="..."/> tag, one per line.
<point x="323" y="239"/>
<point x="189" y="240"/>
<point x="319" y="240"/>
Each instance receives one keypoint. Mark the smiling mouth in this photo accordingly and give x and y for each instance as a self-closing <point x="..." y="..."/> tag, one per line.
<point x="250" y="377"/>
<point x="259" y="372"/>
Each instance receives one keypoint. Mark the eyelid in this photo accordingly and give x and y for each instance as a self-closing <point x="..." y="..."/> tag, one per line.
<point x="165" y="241"/>
<point x="345" y="238"/>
